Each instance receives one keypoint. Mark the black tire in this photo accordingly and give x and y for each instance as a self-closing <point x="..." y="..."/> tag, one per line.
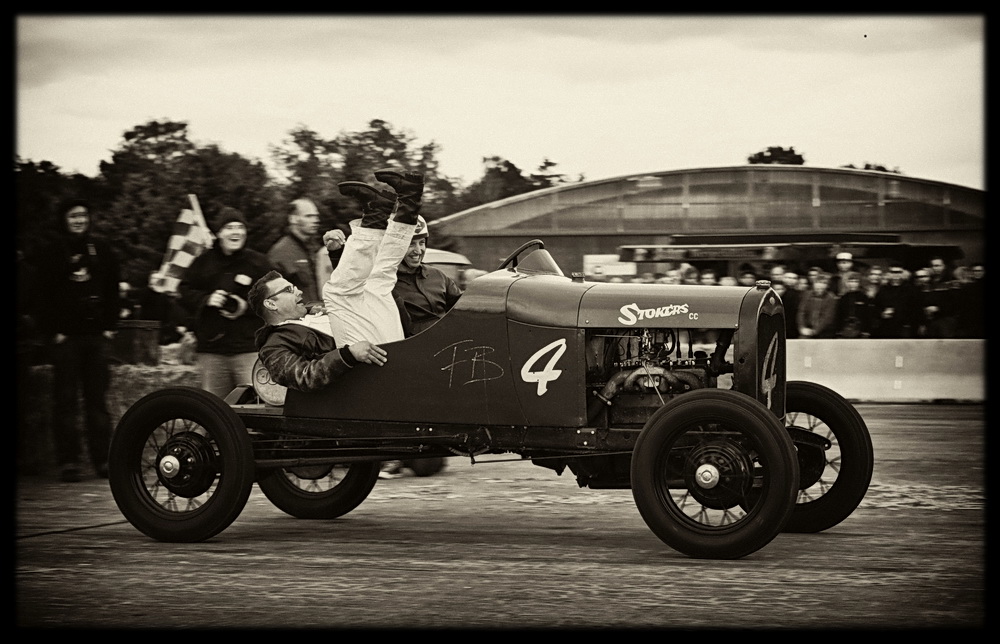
<point x="180" y="465"/>
<point x="325" y="492"/>
<point x="425" y="466"/>
<point x="831" y="496"/>
<point x="741" y="452"/>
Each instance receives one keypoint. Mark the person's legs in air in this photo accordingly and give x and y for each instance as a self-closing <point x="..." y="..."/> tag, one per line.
<point x="344" y="292"/>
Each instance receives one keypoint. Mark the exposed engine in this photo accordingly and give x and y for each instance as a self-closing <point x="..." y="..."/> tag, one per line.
<point x="630" y="371"/>
<point x="633" y="372"/>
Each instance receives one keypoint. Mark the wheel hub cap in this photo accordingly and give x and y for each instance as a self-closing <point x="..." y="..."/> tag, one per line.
<point x="187" y="464"/>
<point x="169" y="466"/>
<point x="706" y="476"/>
<point x="718" y="474"/>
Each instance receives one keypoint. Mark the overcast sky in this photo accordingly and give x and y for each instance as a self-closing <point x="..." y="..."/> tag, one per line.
<point x="600" y="96"/>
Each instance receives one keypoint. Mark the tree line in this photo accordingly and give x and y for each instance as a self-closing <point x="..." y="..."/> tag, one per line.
<point x="139" y="193"/>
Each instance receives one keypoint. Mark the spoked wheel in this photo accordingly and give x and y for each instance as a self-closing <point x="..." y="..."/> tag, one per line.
<point x="833" y="480"/>
<point x="320" y="492"/>
<point x="714" y="474"/>
<point x="180" y="465"/>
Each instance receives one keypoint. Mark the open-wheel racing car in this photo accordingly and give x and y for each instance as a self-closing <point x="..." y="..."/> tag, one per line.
<point x="677" y="392"/>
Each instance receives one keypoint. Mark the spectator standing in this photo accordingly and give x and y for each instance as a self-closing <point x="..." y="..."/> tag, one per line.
<point x="644" y="278"/>
<point x="945" y="288"/>
<point x="672" y="276"/>
<point x="299" y="254"/>
<point x="690" y="274"/>
<point x="854" y="309"/>
<point x="895" y="306"/>
<point x="971" y="315"/>
<point x="214" y="294"/>
<point x="708" y="278"/>
<point x="817" y="313"/>
<point x="845" y="265"/>
<point x="78" y="311"/>
<point x="928" y="323"/>
<point x="873" y="280"/>
<point x="746" y="276"/>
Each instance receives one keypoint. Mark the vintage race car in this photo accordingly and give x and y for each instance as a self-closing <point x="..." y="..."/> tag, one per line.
<point x="676" y="392"/>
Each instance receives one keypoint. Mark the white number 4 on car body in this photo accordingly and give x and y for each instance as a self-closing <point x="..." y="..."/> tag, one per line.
<point x="547" y="374"/>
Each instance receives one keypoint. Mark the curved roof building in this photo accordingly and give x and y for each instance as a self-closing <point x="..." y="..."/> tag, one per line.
<point x="767" y="204"/>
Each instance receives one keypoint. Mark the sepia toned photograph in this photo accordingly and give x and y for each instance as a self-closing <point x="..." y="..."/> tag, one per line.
<point x="400" y="322"/>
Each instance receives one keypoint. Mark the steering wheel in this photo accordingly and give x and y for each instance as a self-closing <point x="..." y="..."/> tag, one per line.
<point x="513" y="257"/>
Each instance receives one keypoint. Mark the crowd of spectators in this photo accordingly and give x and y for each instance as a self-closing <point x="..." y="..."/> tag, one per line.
<point x="870" y="301"/>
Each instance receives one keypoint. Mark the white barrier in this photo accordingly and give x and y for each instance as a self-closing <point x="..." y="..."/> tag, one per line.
<point x="893" y="370"/>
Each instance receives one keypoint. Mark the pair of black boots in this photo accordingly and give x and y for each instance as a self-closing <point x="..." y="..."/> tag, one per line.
<point x="377" y="205"/>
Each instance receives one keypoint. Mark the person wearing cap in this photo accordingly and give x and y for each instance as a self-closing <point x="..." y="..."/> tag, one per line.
<point x="299" y="254"/>
<point x="78" y="275"/>
<point x="213" y="292"/>
<point x="427" y="292"/>
<point x="845" y="265"/>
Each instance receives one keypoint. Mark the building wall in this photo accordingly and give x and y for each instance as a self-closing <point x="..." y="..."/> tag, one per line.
<point x="597" y="217"/>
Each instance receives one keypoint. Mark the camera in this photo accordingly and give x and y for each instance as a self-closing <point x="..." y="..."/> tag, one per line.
<point x="231" y="305"/>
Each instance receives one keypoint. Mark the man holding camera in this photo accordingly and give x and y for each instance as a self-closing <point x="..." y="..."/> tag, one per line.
<point x="214" y="294"/>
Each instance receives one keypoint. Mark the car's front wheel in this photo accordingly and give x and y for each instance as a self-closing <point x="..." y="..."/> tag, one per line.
<point x="714" y="474"/>
<point x="180" y="465"/>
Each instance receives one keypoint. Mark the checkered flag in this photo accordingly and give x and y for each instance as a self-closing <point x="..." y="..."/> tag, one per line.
<point x="190" y="238"/>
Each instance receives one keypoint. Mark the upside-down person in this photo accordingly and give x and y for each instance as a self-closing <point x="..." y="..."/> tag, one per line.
<point x="306" y="351"/>
<point x="358" y="296"/>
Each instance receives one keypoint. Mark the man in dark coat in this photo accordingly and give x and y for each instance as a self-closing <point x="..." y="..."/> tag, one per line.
<point x="426" y="291"/>
<point x="213" y="292"/>
<point x="896" y="306"/>
<point x="297" y="347"/>
<point x="297" y="253"/>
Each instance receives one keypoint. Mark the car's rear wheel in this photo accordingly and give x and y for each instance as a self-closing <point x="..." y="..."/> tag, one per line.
<point x="320" y="492"/>
<point x="180" y="465"/>
<point x="835" y="480"/>
<point x="714" y="474"/>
